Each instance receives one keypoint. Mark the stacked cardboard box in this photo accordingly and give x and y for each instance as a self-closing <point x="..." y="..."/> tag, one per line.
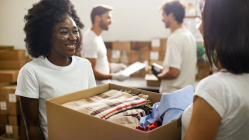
<point x="11" y="61"/>
<point x="10" y="111"/>
<point x="138" y="51"/>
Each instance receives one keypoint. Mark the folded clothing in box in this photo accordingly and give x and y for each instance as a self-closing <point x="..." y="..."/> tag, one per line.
<point x="106" y="104"/>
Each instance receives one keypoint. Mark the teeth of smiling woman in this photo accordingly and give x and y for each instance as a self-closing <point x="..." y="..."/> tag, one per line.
<point x="71" y="46"/>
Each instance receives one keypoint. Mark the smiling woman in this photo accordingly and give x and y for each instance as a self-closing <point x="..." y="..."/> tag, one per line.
<point x="53" y="36"/>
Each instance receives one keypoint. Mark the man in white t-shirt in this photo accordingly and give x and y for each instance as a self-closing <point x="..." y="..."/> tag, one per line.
<point x="180" y="58"/>
<point x="94" y="48"/>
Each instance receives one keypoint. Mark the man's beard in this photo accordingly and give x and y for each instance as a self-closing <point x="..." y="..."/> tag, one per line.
<point x="103" y="25"/>
<point x="167" y="24"/>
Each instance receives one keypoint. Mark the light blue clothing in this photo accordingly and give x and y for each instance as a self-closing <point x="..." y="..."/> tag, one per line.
<point x="170" y="107"/>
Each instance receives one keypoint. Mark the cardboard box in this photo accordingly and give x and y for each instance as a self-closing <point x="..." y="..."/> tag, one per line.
<point x="3" y="108"/>
<point x="7" y="48"/>
<point x="203" y="71"/>
<point x="164" y="44"/>
<point x="4" y="137"/>
<point x="3" y="84"/>
<point x="2" y="129"/>
<point x="3" y="119"/>
<point x="7" y="94"/>
<point x="151" y="80"/>
<point x="108" y="45"/>
<point x="12" y="64"/>
<point x="134" y="57"/>
<point x="14" y="120"/>
<point x="65" y="123"/>
<point x="122" y="46"/>
<point x="141" y="45"/>
<point x="13" y="55"/>
<point x="13" y="109"/>
<point x="161" y="56"/>
<point x="8" y="75"/>
<point x="12" y="131"/>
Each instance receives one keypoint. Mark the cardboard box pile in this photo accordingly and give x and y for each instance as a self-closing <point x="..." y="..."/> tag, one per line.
<point x="10" y="120"/>
<point x="10" y="111"/>
<point x="68" y="124"/>
<point x="138" y="51"/>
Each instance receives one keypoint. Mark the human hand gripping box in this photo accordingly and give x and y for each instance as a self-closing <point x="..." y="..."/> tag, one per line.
<point x="68" y="124"/>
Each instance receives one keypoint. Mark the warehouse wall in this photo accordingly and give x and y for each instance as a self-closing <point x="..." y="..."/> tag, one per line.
<point x="133" y="20"/>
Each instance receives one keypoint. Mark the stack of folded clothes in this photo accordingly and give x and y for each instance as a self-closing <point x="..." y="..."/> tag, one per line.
<point x="120" y="107"/>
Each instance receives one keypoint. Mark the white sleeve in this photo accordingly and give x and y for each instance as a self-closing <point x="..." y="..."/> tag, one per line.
<point x="91" y="78"/>
<point x="212" y="90"/>
<point x="90" y="50"/>
<point x="27" y="84"/>
<point x="173" y="57"/>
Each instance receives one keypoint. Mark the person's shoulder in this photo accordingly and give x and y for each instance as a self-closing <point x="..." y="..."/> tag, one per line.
<point x="30" y="66"/>
<point x="82" y="60"/>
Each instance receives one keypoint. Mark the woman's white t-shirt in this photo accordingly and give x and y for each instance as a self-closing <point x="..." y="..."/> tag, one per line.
<point x="40" y="79"/>
<point x="228" y="94"/>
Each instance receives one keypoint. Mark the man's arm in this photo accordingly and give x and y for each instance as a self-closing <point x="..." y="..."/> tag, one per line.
<point x="98" y="75"/>
<point x="172" y="73"/>
<point x="30" y="111"/>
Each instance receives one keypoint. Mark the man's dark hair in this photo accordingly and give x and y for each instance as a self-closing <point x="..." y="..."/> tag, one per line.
<point x="226" y="32"/>
<point x="40" y="21"/>
<point x="175" y="7"/>
<point x="99" y="10"/>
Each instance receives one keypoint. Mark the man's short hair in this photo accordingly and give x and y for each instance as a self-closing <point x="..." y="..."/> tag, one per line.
<point x="175" y="7"/>
<point x="100" y="10"/>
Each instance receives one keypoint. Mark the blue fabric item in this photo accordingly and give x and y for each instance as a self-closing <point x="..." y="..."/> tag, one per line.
<point x="170" y="107"/>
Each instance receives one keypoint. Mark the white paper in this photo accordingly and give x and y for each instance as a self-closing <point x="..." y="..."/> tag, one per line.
<point x="155" y="42"/>
<point x="133" y="68"/>
<point x="9" y="129"/>
<point x="12" y="98"/>
<point x="3" y="106"/>
<point x="154" y="55"/>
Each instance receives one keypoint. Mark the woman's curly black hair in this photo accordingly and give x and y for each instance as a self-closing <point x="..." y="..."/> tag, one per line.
<point x="40" y="21"/>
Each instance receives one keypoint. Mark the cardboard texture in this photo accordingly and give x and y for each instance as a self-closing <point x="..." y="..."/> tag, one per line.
<point x="13" y="131"/>
<point x="13" y="109"/>
<point x="2" y="129"/>
<point x="14" y="120"/>
<point x="203" y="71"/>
<point x="65" y="124"/>
<point x="164" y="44"/>
<point x="13" y="55"/>
<point x="4" y="137"/>
<point x="122" y="46"/>
<point x="8" y="75"/>
<point x="3" y="119"/>
<point x="12" y="64"/>
<point x="3" y="84"/>
<point x="7" y="48"/>
<point x="151" y="80"/>
<point x="3" y="108"/>
<point x="141" y="45"/>
<point x="8" y="94"/>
